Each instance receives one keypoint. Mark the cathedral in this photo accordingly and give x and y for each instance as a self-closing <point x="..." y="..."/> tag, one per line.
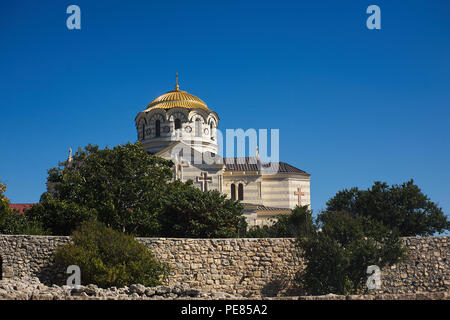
<point x="181" y="127"/>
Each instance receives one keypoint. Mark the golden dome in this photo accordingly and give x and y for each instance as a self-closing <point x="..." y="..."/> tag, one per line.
<point x="177" y="98"/>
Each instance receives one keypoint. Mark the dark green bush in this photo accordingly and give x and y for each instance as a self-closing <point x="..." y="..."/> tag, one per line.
<point x="297" y="224"/>
<point x="110" y="258"/>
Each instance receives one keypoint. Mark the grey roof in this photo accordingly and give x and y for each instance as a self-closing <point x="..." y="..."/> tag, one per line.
<point x="252" y="164"/>
<point x="241" y="164"/>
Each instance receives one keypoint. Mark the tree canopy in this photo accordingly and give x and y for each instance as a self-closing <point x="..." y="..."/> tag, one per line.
<point x="120" y="187"/>
<point x="133" y="192"/>
<point x="403" y="207"/>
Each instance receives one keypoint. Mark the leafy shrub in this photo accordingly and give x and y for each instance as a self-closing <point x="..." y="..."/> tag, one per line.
<point x="297" y="224"/>
<point x="110" y="258"/>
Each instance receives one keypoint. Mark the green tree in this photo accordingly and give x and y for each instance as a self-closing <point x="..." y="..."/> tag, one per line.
<point x="60" y="217"/>
<point x="120" y="187"/>
<point x="5" y="206"/>
<point x="189" y="212"/>
<point x="13" y="222"/>
<point x="297" y="224"/>
<point x="402" y="207"/>
<point x="264" y="231"/>
<point x="132" y="192"/>
<point x="110" y="258"/>
<point x="5" y="210"/>
<point x="338" y="254"/>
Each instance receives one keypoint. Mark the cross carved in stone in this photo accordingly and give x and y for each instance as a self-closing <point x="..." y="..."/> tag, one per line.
<point x="299" y="193"/>
<point x="204" y="179"/>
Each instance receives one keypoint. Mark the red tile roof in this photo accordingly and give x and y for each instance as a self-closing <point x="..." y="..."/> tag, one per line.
<point x="20" y="207"/>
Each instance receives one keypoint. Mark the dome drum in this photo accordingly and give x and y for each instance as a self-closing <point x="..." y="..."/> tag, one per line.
<point x="177" y="116"/>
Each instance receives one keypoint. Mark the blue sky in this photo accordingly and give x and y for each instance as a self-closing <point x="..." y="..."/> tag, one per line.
<point x="353" y="105"/>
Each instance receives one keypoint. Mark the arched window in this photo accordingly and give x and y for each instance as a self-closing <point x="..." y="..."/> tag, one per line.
<point x="157" y="128"/>
<point x="198" y="127"/>
<point x="233" y="191"/>
<point x="143" y="131"/>
<point x="241" y="191"/>
<point x="177" y="124"/>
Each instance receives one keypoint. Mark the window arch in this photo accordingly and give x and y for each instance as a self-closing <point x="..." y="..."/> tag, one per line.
<point x="212" y="126"/>
<point x="143" y="131"/>
<point x="233" y="191"/>
<point x="157" y="128"/>
<point x="198" y="127"/>
<point x="241" y="191"/>
<point x="177" y="123"/>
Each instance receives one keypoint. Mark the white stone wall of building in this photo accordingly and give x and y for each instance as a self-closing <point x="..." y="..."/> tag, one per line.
<point x="276" y="192"/>
<point x="271" y="191"/>
<point x="304" y="184"/>
<point x="251" y="185"/>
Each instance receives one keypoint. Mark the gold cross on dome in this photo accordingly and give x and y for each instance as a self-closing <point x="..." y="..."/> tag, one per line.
<point x="177" y="87"/>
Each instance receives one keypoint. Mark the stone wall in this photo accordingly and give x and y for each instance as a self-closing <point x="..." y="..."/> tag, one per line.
<point x="237" y="266"/>
<point x="427" y="267"/>
<point x="30" y="256"/>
